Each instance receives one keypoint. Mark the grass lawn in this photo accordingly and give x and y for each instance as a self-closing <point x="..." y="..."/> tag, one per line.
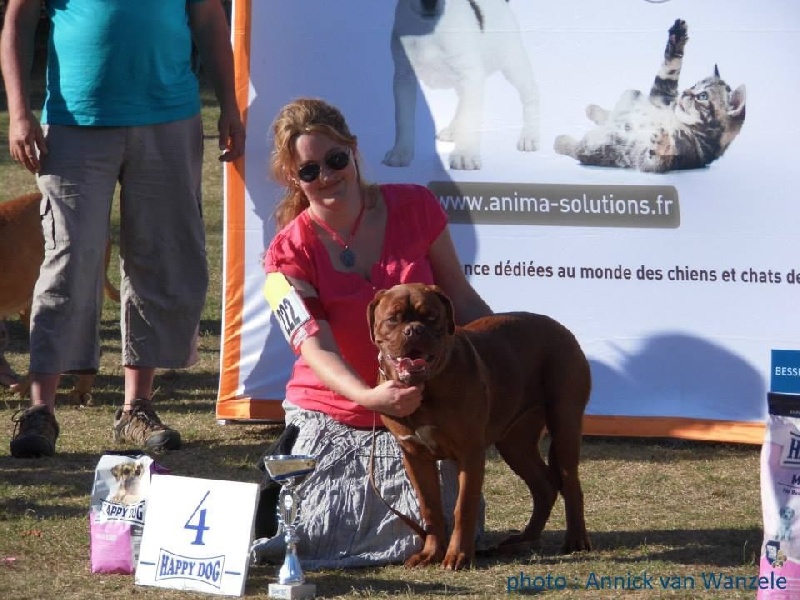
<point x="676" y="513"/>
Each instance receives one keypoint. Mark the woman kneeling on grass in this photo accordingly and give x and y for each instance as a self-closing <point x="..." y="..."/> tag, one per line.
<point x="340" y="240"/>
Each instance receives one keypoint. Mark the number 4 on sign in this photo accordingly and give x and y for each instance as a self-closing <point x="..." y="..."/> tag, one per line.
<point x="183" y="545"/>
<point x="200" y="527"/>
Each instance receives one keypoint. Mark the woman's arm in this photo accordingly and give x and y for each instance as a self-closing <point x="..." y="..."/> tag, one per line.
<point x="448" y="275"/>
<point x="322" y="354"/>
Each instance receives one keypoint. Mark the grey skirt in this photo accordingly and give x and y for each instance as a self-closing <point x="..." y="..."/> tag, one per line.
<point x="342" y="522"/>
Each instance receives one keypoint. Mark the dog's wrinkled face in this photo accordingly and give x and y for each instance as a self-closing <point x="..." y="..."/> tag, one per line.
<point x="412" y="326"/>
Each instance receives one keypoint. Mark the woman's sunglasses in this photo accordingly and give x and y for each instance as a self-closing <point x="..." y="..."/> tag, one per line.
<point x="336" y="162"/>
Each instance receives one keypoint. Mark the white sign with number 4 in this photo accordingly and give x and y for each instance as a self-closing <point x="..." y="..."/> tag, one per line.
<point x="197" y="534"/>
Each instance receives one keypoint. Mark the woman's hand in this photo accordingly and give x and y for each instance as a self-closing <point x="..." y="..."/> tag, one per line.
<point x="393" y="398"/>
<point x="389" y="398"/>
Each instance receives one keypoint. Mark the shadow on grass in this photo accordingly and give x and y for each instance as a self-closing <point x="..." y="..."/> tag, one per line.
<point x="366" y="582"/>
<point x="68" y="475"/>
<point x="704" y="548"/>
<point x="59" y="486"/>
<point x="718" y="547"/>
<point x="657" y="450"/>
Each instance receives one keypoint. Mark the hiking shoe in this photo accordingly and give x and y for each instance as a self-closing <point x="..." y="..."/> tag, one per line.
<point x="35" y="433"/>
<point x="141" y="426"/>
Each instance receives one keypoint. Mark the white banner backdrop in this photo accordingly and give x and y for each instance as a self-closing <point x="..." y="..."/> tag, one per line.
<point x="677" y="284"/>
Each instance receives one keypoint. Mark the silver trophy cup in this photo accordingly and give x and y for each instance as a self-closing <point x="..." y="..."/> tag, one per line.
<point x="290" y="471"/>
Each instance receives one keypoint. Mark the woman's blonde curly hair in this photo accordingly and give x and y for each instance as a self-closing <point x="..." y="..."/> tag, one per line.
<point x="302" y="116"/>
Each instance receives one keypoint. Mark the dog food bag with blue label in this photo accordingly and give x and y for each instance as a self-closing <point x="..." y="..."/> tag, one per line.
<point x="117" y="511"/>
<point x="779" y="576"/>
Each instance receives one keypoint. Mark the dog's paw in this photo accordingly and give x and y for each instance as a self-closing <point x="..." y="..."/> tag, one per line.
<point x="422" y="559"/>
<point x="455" y="561"/>
<point x="528" y="141"/>
<point x="432" y="553"/>
<point x="465" y="161"/>
<point x="80" y="398"/>
<point x="398" y="157"/>
<point x="576" y="543"/>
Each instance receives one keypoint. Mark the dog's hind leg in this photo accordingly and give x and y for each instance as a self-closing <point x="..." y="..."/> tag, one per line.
<point x="564" y="422"/>
<point x="564" y="457"/>
<point x="520" y="449"/>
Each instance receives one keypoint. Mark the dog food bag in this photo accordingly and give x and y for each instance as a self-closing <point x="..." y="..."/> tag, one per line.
<point x="779" y="576"/>
<point x="117" y="510"/>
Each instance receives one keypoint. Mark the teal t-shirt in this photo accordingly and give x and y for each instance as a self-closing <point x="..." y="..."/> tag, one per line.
<point x="119" y="63"/>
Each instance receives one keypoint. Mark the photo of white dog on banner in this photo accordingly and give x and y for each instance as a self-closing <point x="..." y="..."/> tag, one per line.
<point x="458" y="44"/>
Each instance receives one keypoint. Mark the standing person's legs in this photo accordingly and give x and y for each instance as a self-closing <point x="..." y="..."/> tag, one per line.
<point x="77" y="181"/>
<point x="164" y="268"/>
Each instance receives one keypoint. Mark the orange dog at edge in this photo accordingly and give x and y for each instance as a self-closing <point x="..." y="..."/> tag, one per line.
<point x="21" y="255"/>
<point x="500" y="381"/>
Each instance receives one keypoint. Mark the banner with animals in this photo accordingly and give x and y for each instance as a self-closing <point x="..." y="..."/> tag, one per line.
<point x="625" y="167"/>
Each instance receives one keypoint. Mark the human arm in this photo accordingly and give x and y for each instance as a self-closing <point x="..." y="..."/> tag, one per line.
<point x="448" y="275"/>
<point x="322" y="354"/>
<point x="25" y="138"/>
<point x="211" y="35"/>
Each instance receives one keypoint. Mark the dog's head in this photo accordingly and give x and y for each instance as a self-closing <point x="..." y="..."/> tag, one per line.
<point x="786" y="513"/>
<point x="127" y="471"/>
<point x="412" y="325"/>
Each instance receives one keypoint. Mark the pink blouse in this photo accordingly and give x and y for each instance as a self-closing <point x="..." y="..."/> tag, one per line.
<point x="414" y="221"/>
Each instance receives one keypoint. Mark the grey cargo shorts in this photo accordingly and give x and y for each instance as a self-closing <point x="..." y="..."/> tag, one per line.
<point x="164" y="272"/>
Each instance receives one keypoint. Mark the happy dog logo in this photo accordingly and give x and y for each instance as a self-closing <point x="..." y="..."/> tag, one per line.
<point x="131" y="513"/>
<point x="205" y="570"/>
<point x="790" y="457"/>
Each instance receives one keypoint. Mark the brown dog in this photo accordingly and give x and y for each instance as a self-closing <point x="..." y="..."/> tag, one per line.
<point x="21" y="255"/>
<point x="499" y="380"/>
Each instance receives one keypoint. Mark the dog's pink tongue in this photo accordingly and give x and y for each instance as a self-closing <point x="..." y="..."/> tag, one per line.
<point x="409" y="365"/>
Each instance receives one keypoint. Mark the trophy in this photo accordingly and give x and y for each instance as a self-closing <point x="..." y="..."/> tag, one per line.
<point x="290" y="471"/>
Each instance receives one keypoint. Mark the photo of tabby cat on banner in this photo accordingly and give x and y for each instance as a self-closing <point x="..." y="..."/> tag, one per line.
<point x="668" y="129"/>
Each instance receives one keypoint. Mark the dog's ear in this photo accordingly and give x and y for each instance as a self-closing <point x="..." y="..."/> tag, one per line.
<point x="371" y="313"/>
<point x="116" y="471"/>
<point x="448" y="307"/>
